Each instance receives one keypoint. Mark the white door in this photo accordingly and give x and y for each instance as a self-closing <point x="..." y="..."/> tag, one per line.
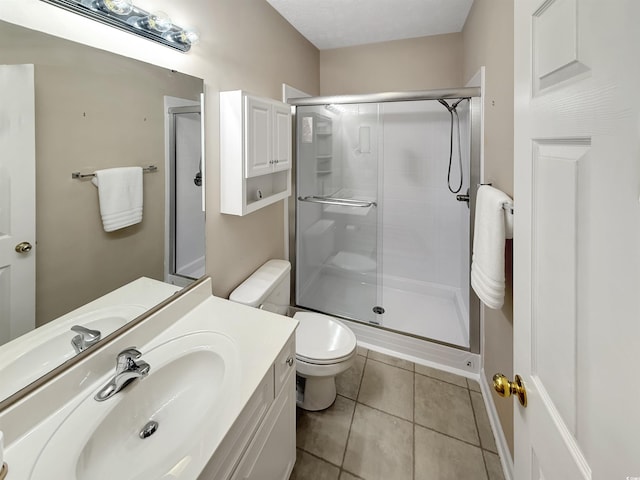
<point x="17" y="201"/>
<point x="257" y="137"/>
<point x="577" y="239"/>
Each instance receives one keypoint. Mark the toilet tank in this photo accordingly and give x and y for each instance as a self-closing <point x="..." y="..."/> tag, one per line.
<point x="267" y="288"/>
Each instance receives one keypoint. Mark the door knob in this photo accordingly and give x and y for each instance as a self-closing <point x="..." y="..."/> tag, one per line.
<point x="23" y="247"/>
<point x="505" y="388"/>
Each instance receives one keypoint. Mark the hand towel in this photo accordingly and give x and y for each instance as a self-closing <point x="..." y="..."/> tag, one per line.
<point x="120" y="196"/>
<point x="487" y="263"/>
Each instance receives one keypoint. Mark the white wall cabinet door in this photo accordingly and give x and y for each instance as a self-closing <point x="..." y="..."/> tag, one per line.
<point x="258" y="133"/>
<point x="281" y="137"/>
<point x="577" y="239"/>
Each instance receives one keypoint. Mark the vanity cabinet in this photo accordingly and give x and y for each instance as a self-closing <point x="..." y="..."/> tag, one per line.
<point x="255" y="152"/>
<point x="272" y="452"/>
<point x="261" y="445"/>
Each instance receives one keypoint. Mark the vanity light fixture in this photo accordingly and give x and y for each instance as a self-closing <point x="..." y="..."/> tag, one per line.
<point x="123" y="14"/>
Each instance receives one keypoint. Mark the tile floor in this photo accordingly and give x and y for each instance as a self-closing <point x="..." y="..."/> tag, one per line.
<point x="395" y="420"/>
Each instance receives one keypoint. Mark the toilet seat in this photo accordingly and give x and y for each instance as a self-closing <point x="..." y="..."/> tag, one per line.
<point x="323" y="340"/>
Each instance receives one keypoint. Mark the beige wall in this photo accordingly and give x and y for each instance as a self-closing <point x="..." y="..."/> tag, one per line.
<point x="488" y="40"/>
<point x="258" y="51"/>
<point x="422" y="63"/>
<point x="244" y="44"/>
<point x="93" y="110"/>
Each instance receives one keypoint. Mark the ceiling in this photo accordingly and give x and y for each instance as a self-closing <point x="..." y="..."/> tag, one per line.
<point x="342" y="23"/>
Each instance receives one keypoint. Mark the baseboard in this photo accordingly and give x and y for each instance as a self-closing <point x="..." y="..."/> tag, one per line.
<point x="501" y="441"/>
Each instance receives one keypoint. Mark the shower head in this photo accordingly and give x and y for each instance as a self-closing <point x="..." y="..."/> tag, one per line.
<point x="451" y="108"/>
<point x="446" y="105"/>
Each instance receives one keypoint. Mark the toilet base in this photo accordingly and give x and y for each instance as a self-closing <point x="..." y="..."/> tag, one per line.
<point x="319" y="393"/>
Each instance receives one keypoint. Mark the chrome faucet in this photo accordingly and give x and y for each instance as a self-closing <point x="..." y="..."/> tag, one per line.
<point x="127" y="370"/>
<point x="85" y="338"/>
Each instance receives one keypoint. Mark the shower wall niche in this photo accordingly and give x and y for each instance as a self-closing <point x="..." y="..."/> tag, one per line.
<point x="380" y="237"/>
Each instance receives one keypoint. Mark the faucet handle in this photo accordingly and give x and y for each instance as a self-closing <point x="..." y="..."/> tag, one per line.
<point x="85" y="338"/>
<point x="125" y="360"/>
<point x="87" y="334"/>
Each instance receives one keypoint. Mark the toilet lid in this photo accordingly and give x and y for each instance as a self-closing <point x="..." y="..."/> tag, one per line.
<point x="320" y="338"/>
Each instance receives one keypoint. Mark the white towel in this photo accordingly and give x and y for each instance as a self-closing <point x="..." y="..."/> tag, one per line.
<point x="487" y="264"/>
<point x="120" y="195"/>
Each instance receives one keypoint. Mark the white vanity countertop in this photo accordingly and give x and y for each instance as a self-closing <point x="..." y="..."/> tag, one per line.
<point x="258" y="336"/>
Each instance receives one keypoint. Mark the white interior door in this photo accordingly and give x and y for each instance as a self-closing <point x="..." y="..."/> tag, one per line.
<point x="17" y="200"/>
<point x="577" y="238"/>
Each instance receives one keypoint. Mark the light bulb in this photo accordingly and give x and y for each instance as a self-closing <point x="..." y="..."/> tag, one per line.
<point x="187" y="37"/>
<point x="119" y="7"/>
<point x="159" y="21"/>
<point x="192" y="36"/>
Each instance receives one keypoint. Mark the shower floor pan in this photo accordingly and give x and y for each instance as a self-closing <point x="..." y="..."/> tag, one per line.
<point x="430" y="311"/>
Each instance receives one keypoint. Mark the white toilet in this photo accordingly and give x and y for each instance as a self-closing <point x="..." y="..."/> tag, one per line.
<point x="325" y="346"/>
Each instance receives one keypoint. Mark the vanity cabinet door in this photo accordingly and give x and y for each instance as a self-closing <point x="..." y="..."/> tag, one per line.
<point x="272" y="453"/>
<point x="224" y="459"/>
<point x="285" y="364"/>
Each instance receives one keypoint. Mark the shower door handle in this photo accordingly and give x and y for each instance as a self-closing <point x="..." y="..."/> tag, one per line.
<point x="343" y="202"/>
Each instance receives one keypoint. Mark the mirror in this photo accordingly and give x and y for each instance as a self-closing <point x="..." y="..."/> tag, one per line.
<point x="96" y="110"/>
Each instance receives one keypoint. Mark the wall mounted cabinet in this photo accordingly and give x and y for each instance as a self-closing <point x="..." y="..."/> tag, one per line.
<point x="255" y="152"/>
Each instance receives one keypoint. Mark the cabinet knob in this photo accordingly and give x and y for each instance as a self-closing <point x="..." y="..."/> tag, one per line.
<point x="290" y="361"/>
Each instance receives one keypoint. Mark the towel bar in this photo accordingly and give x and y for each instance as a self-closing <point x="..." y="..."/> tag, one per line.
<point x="149" y="169"/>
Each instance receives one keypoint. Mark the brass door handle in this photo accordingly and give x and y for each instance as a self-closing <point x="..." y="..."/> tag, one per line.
<point x="24" y="247"/>
<point x="505" y="388"/>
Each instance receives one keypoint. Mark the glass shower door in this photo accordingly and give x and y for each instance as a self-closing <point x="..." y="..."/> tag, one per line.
<point x="337" y="212"/>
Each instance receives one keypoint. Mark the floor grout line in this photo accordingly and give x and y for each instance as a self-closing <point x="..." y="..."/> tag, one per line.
<point x="346" y="445"/>
<point x="475" y="420"/>
<point x="466" y="386"/>
<point x="415" y="452"/>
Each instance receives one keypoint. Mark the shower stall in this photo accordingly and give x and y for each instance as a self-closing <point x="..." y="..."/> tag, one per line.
<point x="185" y="253"/>
<point x="384" y="209"/>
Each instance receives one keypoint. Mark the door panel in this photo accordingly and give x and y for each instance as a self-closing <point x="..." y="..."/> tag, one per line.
<point x="558" y="174"/>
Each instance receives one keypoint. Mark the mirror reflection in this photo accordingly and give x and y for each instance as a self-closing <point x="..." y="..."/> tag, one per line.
<point x="81" y="109"/>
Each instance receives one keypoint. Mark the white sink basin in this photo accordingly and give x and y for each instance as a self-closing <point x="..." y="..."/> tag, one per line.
<point x="23" y="362"/>
<point x="186" y="383"/>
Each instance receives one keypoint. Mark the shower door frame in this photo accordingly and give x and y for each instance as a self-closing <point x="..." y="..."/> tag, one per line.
<point x="171" y="275"/>
<point x="475" y="147"/>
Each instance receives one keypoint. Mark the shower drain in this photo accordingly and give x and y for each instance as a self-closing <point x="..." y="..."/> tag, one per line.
<point x="378" y="310"/>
